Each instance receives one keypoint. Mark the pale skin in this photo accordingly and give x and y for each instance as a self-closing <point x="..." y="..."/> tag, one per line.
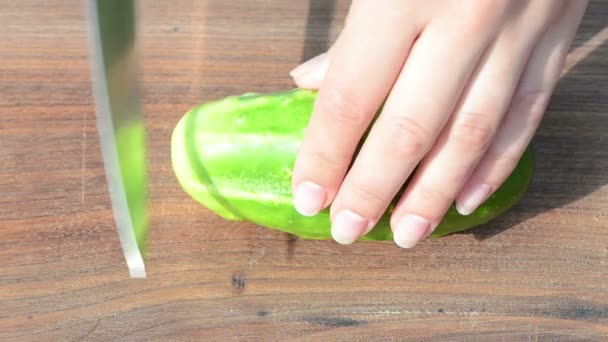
<point x="464" y="85"/>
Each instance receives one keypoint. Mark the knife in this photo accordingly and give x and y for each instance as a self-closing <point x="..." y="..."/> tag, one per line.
<point x="120" y="123"/>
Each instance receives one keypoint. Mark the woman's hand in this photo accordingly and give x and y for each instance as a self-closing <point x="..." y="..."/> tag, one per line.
<point x="463" y="84"/>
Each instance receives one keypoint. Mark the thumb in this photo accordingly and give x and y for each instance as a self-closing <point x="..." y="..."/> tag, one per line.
<point x="310" y="74"/>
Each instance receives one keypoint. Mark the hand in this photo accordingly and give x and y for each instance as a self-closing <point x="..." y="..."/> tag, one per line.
<point x="463" y="84"/>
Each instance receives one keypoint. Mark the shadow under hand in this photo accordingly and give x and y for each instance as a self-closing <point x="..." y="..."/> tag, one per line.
<point x="571" y="145"/>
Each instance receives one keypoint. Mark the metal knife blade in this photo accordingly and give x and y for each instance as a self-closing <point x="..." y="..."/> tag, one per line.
<point x="120" y="123"/>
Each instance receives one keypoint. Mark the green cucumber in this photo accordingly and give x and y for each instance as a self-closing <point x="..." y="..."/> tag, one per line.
<point x="235" y="156"/>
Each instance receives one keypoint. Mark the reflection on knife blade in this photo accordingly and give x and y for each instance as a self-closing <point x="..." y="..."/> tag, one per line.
<point x="120" y="122"/>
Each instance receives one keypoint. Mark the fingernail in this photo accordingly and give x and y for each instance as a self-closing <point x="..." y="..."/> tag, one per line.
<point x="309" y="198"/>
<point x="347" y="227"/>
<point x="311" y="71"/>
<point x="411" y="229"/>
<point x="472" y="198"/>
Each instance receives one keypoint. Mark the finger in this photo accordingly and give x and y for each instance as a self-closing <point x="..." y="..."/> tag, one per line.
<point x="368" y="55"/>
<point x="310" y="74"/>
<point x="526" y="110"/>
<point x="410" y="121"/>
<point x="470" y="130"/>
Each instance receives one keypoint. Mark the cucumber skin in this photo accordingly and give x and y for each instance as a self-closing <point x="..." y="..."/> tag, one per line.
<point x="235" y="157"/>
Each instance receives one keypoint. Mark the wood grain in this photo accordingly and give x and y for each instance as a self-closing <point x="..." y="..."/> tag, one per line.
<point x="538" y="273"/>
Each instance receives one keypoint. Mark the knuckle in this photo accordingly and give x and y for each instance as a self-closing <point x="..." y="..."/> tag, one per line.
<point x="409" y="137"/>
<point x="482" y="14"/>
<point x="487" y="9"/>
<point x="366" y="196"/>
<point x="498" y="166"/>
<point x="343" y="107"/>
<point x="507" y="162"/>
<point x="323" y="159"/>
<point x="473" y="131"/>
<point x="430" y="199"/>
<point x="530" y="105"/>
<point x="436" y="194"/>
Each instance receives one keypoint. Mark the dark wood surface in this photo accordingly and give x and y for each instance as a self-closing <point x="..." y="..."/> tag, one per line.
<point x="540" y="272"/>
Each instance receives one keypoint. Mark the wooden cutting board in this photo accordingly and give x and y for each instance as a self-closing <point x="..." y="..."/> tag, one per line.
<point x="538" y="273"/>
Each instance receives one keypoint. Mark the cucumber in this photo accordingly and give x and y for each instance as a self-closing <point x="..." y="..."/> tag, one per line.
<point x="235" y="156"/>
